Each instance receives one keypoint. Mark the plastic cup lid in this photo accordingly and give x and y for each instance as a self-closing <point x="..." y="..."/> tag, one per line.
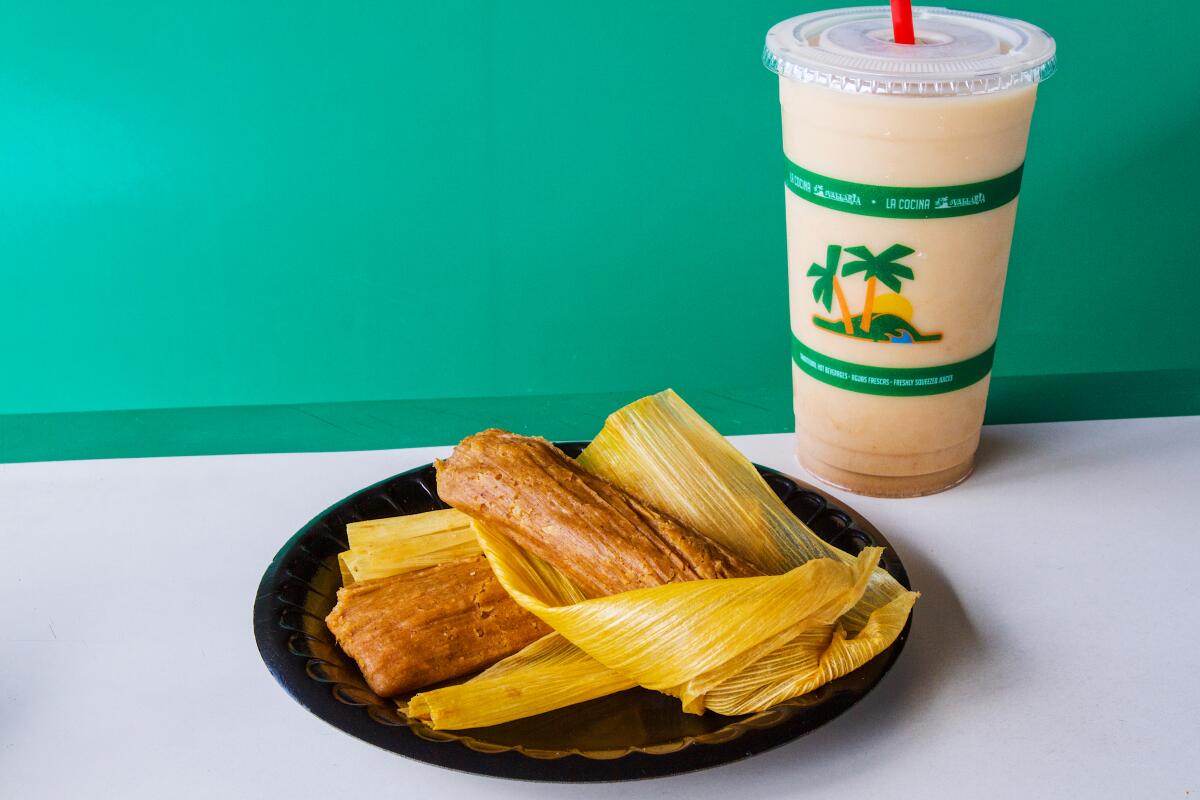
<point x="957" y="52"/>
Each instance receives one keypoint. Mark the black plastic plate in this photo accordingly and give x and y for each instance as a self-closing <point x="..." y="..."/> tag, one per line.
<point x="634" y="734"/>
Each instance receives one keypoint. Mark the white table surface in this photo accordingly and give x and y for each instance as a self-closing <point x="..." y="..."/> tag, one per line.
<point x="1055" y="650"/>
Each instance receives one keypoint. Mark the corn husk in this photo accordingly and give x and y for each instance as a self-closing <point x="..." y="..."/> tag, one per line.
<point x="731" y="646"/>
<point x="565" y="675"/>
<point x="661" y="451"/>
<point x="347" y="575"/>
<point x="380" y="548"/>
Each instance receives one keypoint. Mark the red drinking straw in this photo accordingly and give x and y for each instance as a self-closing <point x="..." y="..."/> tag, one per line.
<point x="902" y="22"/>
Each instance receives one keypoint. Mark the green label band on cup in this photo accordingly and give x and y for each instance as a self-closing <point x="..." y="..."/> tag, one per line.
<point x="899" y="202"/>
<point x="892" y="381"/>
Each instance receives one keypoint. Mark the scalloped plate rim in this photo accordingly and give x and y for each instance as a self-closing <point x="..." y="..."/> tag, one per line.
<point x="535" y="764"/>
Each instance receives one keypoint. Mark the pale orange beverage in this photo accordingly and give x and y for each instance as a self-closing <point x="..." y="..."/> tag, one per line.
<point x="903" y="169"/>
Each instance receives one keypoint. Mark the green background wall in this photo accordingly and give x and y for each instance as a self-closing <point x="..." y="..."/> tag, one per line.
<point x="281" y="205"/>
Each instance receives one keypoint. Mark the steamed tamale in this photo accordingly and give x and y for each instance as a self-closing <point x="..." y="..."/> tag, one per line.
<point x="418" y="628"/>
<point x="730" y="646"/>
<point x="601" y="537"/>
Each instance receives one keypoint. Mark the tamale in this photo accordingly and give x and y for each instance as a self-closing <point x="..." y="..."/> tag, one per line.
<point x="731" y="646"/>
<point x="659" y="449"/>
<point x="418" y="628"/>
<point x="598" y="535"/>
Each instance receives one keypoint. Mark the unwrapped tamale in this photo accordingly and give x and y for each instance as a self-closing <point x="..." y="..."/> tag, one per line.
<point x="418" y="628"/>
<point x="601" y="537"/>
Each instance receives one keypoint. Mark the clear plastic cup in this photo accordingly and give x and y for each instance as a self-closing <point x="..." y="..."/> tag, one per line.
<point x="903" y="168"/>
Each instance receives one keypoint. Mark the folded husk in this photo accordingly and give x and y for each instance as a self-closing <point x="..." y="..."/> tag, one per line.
<point x="660" y="450"/>
<point x="563" y="675"/>
<point x="380" y="548"/>
<point x="347" y="575"/>
<point x="732" y="646"/>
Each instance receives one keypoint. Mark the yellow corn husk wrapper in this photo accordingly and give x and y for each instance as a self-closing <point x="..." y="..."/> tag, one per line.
<point x="380" y="548"/>
<point x="732" y="646"/>
<point x="564" y="675"/>
<point x="347" y="575"/>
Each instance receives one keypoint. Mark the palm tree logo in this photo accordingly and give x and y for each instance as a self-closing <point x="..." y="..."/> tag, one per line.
<point x="885" y="318"/>
<point x="827" y="285"/>
<point x="883" y="268"/>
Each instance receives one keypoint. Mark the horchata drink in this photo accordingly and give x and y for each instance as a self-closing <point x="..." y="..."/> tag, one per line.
<point x="903" y="165"/>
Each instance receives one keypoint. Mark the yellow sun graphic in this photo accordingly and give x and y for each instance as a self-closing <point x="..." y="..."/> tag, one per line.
<point x="893" y="304"/>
